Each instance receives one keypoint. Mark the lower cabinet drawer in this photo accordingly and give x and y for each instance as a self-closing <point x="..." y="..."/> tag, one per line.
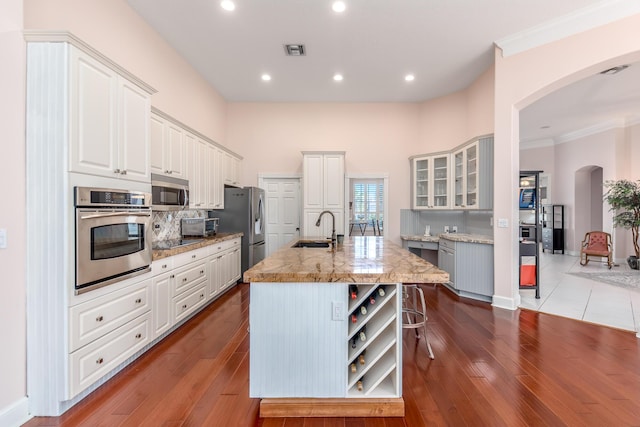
<point x="92" y="319"/>
<point x="96" y="359"/>
<point x="188" y="277"/>
<point x="187" y="303"/>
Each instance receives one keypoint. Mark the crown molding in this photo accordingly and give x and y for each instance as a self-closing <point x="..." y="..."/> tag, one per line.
<point x="61" y="36"/>
<point x="601" y="13"/>
<point x="591" y="130"/>
<point x="538" y="143"/>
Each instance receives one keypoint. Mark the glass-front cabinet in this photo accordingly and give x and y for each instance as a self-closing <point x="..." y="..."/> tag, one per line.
<point x="430" y="189"/>
<point x="466" y="177"/>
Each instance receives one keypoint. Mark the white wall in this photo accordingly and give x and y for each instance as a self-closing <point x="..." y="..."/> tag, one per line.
<point x="12" y="215"/>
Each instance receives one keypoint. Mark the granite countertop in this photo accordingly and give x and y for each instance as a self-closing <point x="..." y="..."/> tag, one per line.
<point x="454" y="237"/>
<point x="361" y="259"/>
<point x="206" y="241"/>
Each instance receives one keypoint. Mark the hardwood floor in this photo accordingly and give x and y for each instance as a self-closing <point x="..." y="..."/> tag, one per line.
<point x="492" y="368"/>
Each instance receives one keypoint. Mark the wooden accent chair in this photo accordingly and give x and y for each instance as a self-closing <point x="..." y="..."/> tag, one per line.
<point x="596" y="243"/>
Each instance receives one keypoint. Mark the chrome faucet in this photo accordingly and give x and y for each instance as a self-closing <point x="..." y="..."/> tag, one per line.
<point x="333" y="230"/>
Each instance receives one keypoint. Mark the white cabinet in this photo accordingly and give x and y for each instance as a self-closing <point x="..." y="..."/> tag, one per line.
<point x="231" y="169"/>
<point x="167" y="148"/>
<point x="109" y="121"/>
<point x="214" y="177"/>
<point x="473" y="174"/>
<point x="323" y="177"/>
<point x="197" y="152"/>
<point x="430" y="182"/>
<point x="161" y="291"/>
<point x="105" y="331"/>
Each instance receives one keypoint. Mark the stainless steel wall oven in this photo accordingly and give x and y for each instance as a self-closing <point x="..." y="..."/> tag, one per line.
<point x="113" y="236"/>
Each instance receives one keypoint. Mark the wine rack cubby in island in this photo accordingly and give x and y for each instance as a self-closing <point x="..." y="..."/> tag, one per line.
<point x="373" y="341"/>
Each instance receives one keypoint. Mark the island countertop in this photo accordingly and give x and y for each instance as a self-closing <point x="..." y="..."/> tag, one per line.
<point x="360" y="259"/>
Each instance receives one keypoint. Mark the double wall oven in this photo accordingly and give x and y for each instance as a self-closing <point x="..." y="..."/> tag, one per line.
<point x="113" y="236"/>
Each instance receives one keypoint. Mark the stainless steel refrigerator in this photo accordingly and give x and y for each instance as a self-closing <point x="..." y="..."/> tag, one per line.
<point x="244" y="212"/>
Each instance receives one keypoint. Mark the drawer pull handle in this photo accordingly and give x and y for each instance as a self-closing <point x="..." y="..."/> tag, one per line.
<point x="138" y="301"/>
<point x="138" y="336"/>
<point x="99" y="319"/>
<point x="184" y="280"/>
<point x="173" y="276"/>
<point x="99" y="361"/>
<point x="164" y="265"/>
<point x="193" y="256"/>
<point x="184" y="306"/>
<point x="201" y="295"/>
<point x="116" y="171"/>
<point x="201" y="271"/>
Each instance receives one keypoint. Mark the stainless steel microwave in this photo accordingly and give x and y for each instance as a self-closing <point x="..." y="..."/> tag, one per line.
<point x="168" y="193"/>
<point x="202" y="227"/>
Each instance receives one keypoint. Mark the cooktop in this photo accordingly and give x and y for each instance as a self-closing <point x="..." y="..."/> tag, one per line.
<point x="170" y="244"/>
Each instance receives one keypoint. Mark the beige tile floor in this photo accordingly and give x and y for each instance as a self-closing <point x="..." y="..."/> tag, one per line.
<point x="567" y="295"/>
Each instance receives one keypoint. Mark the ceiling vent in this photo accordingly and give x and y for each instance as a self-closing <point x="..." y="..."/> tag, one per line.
<point x="614" y="70"/>
<point x="295" y="50"/>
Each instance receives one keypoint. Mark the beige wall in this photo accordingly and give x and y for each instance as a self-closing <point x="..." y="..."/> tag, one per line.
<point x="12" y="212"/>
<point x="520" y="80"/>
<point x="377" y="138"/>
<point x="113" y="28"/>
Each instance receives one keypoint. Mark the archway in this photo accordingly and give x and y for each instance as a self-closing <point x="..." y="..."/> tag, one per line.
<point x="587" y="202"/>
<point x="521" y="80"/>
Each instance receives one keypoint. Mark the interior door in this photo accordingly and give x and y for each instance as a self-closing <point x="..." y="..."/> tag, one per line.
<point x="282" y="199"/>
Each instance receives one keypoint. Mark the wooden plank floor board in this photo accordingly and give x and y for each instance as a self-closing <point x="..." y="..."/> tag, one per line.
<point x="493" y="367"/>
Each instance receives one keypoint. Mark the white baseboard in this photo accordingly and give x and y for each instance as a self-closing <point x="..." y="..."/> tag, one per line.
<point x="506" y="303"/>
<point x="16" y="414"/>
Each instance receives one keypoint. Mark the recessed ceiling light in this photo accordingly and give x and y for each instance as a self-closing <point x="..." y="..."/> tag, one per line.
<point x="409" y="77"/>
<point x="227" y="5"/>
<point x="338" y="77"/>
<point x="338" y="6"/>
<point x="266" y="77"/>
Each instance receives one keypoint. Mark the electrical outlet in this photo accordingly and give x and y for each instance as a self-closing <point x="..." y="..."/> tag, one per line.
<point x="446" y="228"/>
<point x="454" y="229"/>
<point x="337" y="310"/>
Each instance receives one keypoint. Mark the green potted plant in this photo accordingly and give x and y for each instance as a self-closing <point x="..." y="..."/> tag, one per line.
<point x="623" y="197"/>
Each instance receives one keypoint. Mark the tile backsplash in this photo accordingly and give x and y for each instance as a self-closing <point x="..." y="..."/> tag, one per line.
<point x="166" y="225"/>
<point x="472" y="222"/>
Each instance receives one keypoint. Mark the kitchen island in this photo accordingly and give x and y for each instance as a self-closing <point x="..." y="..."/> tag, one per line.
<point x="326" y="331"/>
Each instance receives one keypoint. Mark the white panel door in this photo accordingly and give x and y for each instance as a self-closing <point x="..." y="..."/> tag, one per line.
<point x="134" y="115"/>
<point x="93" y="123"/>
<point x="282" y="212"/>
<point x="334" y="181"/>
<point x="313" y="181"/>
<point x="175" y="151"/>
<point x="157" y="144"/>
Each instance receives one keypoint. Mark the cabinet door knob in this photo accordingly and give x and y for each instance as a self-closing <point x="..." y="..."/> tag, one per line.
<point x="116" y="171"/>
<point x="164" y="265"/>
<point x="201" y="296"/>
<point x="193" y="256"/>
<point x="201" y="271"/>
<point x="184" y="306"/>
<point x="184" y="280"/>
<point x="99" y="319"/>
<point x="138" y="336"/>
<point x="124" y="172"/>
<point x="172" y="276"/>
<point x="99" y="361"/>
<point x="138" y="301"/>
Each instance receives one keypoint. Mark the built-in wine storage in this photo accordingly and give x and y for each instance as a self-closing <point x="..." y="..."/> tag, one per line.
<point x="373" y="341"/>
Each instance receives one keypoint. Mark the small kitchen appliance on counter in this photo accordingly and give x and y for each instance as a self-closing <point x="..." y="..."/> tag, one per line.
<point x="201" y="227"/>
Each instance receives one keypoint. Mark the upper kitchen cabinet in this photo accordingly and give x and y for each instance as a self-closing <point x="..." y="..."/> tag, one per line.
<point x="109" y="121"/>
<point x="167" y="148"/>
<point x="231" y="170"/>
<point x="430" y="187"/>
<point x="323" y="178"/>
<point x="473" y="174"/>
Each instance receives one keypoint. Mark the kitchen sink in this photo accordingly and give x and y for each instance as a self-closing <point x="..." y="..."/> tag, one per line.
<point x="312" y="244"/>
